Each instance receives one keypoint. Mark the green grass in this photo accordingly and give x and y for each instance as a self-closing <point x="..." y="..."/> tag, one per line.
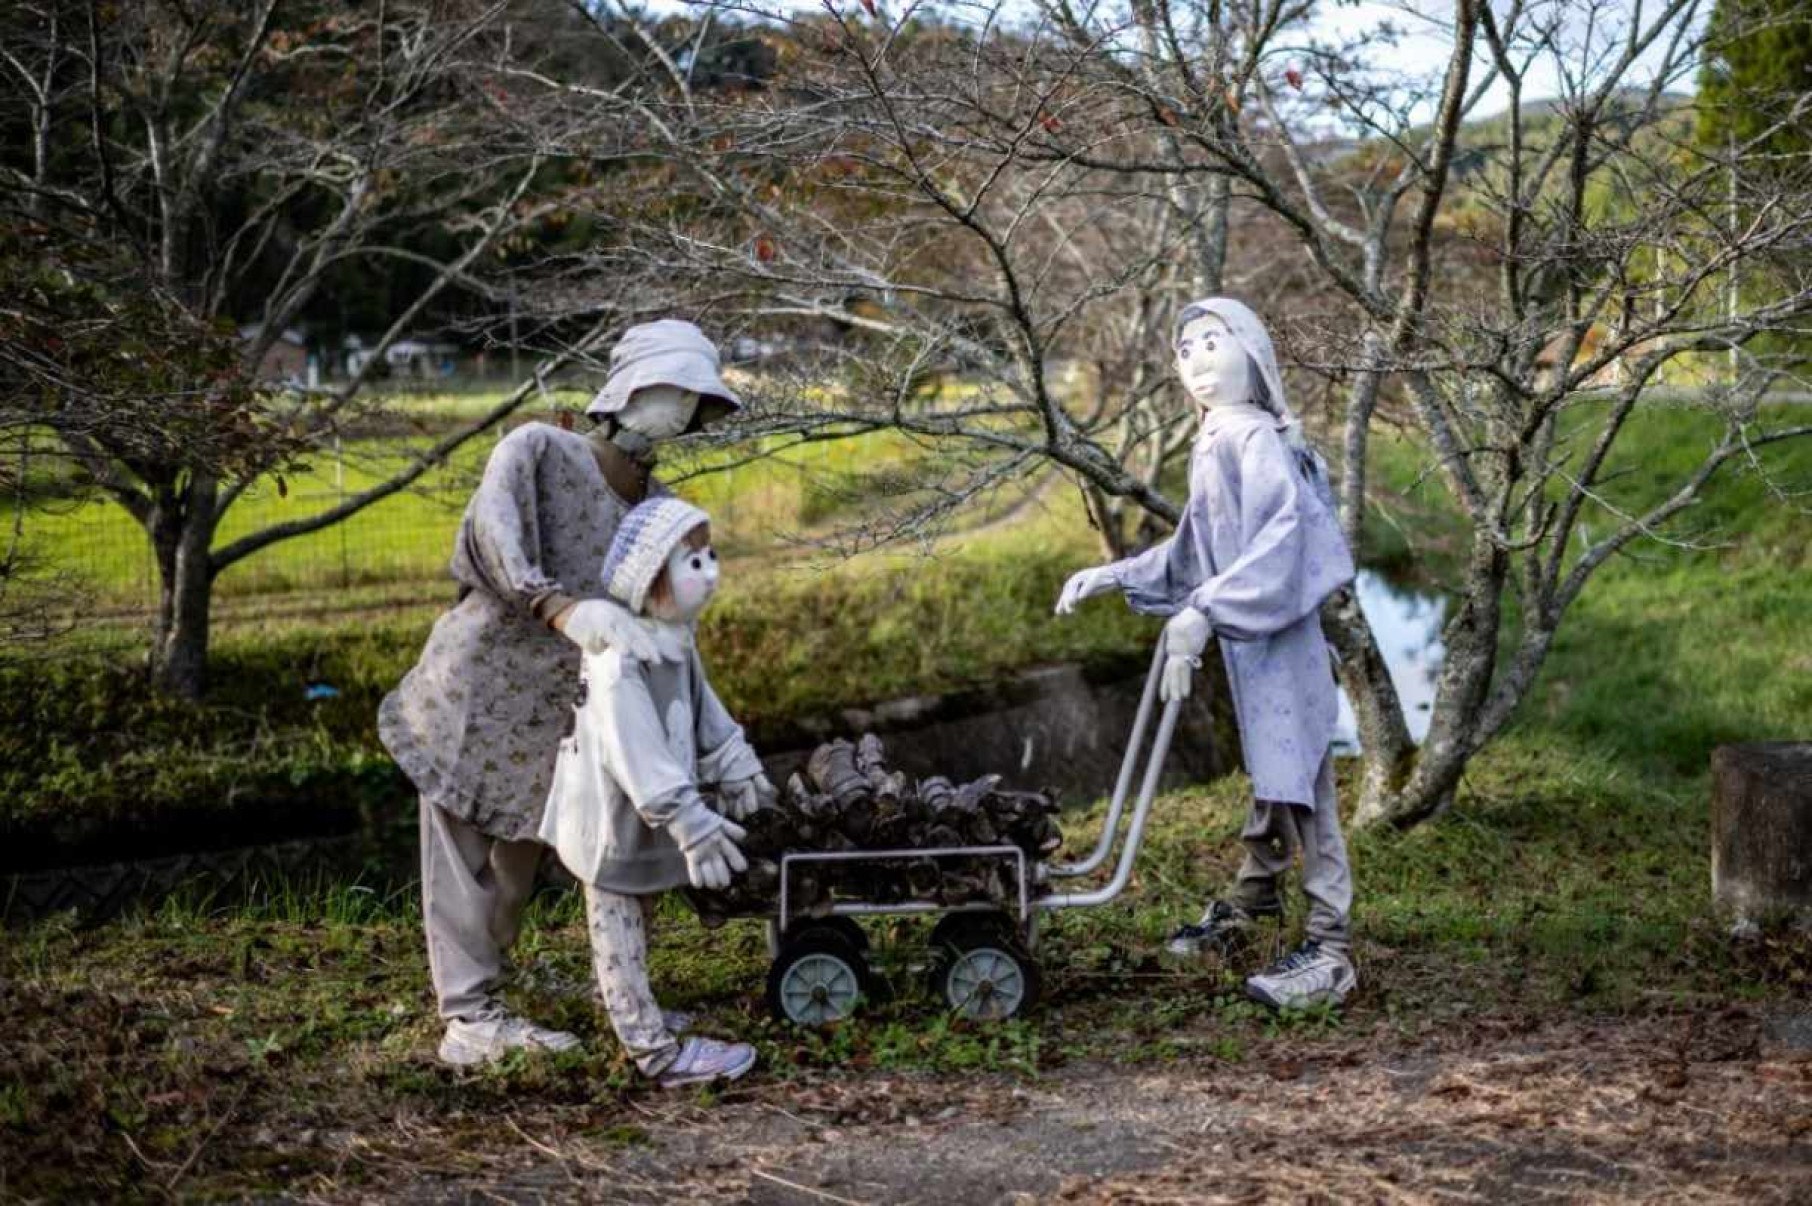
<point x="1569" y="878"/>
<point x="760" y="498"/>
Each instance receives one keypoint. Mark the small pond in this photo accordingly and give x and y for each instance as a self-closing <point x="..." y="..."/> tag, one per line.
<point x="1407" y="624"/>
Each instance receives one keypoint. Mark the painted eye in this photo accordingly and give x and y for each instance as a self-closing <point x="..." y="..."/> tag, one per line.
<point x="1182" y="351"/>
<point x="712" y="554"/>
<point x="698" y="563"/>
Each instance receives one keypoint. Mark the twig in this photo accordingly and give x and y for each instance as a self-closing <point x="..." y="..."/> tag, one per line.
<point x="205" y="1140"/>
<point x="805" y="1189"/>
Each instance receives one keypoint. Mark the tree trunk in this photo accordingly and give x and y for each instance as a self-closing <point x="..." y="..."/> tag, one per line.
<point x="182" y="532"/>
<point x="1108" y="516"/>
<point x="1454" y="731"/>
<point x="1761" y="831"/>
<point x="1386" y="752"/>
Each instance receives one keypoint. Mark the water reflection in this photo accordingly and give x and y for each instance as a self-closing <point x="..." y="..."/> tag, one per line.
<point x="1407" y="625"/>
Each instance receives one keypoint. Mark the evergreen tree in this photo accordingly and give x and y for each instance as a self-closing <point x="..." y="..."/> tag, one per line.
<point x="1757" y="70"/>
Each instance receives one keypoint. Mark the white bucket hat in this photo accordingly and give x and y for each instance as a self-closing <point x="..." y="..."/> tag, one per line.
<point x="669" y="351"/>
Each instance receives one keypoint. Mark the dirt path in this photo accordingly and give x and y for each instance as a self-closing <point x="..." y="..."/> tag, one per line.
<point x="1696" y="1108"/>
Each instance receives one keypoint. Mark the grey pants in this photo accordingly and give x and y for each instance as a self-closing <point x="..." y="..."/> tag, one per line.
<point x="474" y="888"/>
<point x="619" y="926"/>
<point x="1273" y="833"/>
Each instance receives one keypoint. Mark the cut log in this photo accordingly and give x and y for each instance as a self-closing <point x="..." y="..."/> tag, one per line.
<point x="848" y="799"/>
<point x="1761" y="832"/>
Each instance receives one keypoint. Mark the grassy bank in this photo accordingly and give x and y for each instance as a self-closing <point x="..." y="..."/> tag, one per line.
<point x="93" y="766"/>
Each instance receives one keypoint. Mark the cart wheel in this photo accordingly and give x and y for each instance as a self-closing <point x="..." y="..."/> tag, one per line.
<point x="818" y="977"/>
<point x="980" y="969"/>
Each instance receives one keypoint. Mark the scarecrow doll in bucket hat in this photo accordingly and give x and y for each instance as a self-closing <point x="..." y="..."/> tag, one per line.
<point x="477" y="722"/>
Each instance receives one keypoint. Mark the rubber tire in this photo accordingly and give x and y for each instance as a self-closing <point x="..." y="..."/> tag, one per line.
<point x="989" y="931"/>
<point x="817" y="940"/>
<point x="847" y="926"/>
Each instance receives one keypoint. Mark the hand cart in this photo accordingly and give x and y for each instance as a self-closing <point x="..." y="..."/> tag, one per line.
<point x="982" y="963"/>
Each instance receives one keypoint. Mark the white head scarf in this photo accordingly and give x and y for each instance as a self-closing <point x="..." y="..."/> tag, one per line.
<point x="1249" y="332"/>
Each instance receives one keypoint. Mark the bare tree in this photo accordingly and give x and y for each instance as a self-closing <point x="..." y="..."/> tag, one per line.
<point x="977" y="193"/>
<point x="250" y="158"/>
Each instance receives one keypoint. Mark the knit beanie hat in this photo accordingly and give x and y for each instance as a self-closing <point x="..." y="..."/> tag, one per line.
<point x="643" y="542"/>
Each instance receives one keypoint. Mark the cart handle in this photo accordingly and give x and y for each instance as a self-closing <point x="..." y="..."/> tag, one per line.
<point x="1135" y="832"/>
<point x="1128" y="764"/>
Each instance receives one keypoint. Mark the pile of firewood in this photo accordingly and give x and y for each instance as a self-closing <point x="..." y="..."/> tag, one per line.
<point x="848" y="799"/>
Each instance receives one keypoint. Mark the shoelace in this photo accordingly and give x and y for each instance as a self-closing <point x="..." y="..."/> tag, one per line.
<point x="1217" y="912"/>
<point x="1296" y="960"/>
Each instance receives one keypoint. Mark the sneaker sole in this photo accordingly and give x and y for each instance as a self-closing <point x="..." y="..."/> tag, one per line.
<point x="459" y="1056"/>
<point x="1337" y="995"/>
<point x="705" y="1078"/>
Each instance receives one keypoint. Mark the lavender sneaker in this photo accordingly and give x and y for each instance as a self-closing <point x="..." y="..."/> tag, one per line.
<point x="703" y="1060"/>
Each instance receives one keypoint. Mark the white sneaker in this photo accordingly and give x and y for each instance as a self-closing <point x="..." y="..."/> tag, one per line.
<point x="1310" y="975"/>
<point x="491" y="1036"/>
<point x="702" y="1060"/>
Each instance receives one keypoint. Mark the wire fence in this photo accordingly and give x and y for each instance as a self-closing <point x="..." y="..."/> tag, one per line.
<point x="401" y="543"/>
<point x="396" y="550"/>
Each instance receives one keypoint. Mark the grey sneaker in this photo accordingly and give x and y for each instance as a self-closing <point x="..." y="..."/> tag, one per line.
<point x="1223" y="927"/>
<point x="1310" y="975"/>
<point x="702" y="1060"/>
<point x="493" y="1035"/>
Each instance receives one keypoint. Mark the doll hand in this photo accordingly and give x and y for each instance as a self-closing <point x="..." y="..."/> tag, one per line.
<point x="714" y="859"/>
<point x="1085" y="584"/>
<point x="1185" y="636"/>
<point x="595" y="625"/>
<point x="743" y="798"/>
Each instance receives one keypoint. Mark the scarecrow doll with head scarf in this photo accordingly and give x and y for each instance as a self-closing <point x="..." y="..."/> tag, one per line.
<point x="1253" y="557"/>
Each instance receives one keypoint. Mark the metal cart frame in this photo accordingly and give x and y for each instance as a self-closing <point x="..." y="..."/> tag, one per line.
<point x="1027" y="875"/>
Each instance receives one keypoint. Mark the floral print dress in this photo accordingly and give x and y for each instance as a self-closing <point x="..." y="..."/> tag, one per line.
<point x="477" y="723"/>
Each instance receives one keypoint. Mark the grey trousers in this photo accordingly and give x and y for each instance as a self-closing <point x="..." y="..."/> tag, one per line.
<point x="1273" y="833"/>
<point x="474" y="888"/>
<point x="619" y="926"/>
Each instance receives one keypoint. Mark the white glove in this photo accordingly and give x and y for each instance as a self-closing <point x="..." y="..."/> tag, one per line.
<point x="595" y="625"/>
<point x="1085" y="584"/>
<point x="742" y="798"/>
<point x="712" y="860"/>
<point x="1185" y="636"/>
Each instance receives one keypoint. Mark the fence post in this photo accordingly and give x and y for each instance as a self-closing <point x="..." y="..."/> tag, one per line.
<point x="339" y="476"/>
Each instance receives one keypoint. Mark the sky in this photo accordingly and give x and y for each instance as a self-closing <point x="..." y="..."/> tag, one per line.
<point x="1426" y="38"/>
<point x="1423" y="43"/>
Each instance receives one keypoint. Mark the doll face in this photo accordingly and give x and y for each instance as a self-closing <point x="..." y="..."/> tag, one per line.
<point x="688" y="581"/>
<point x="659" y="412"/>
<point x="1211" y="363"/>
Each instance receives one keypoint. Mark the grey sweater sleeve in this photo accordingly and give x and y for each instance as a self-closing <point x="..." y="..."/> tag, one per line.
<point x="499" y="544"/>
